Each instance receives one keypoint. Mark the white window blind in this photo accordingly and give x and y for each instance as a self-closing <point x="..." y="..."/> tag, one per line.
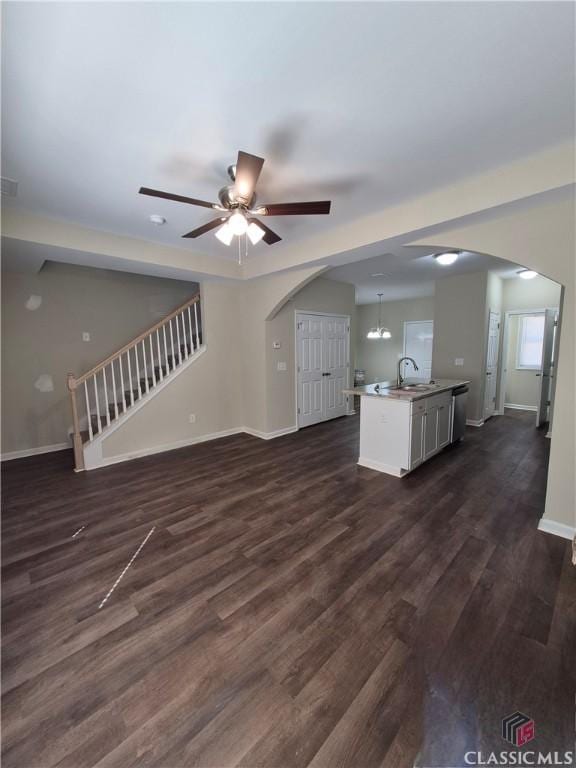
<point x="530" y="339"/>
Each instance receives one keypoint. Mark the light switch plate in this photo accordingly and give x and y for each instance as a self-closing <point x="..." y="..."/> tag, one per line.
<point x="276" y="345"/>
<point x="459" y="361"/>
<point x="85" y="336"/>
<point x="281" y="367"/>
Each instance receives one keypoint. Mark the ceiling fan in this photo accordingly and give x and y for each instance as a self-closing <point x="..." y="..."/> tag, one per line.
<point x="238" y="201"/>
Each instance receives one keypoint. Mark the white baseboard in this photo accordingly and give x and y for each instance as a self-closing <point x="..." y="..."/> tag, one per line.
<point x="270" y="435"/>
<point x="387" y="469"/>
<point x="517" y="407"/>
<point x="95" y="462"/>
<point x="474" y="422"/>
<point x="35" y="451"/>
<point x="558" y="529"/>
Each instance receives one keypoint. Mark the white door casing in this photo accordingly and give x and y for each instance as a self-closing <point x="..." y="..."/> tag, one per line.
<point x="418" y="337"/>
<point x="322" y="366"/>
<point x="493" y="343"/>
<point x="545" y="373"/>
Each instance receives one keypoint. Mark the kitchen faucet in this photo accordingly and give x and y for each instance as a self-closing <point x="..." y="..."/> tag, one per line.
<point x="399" y="379"/>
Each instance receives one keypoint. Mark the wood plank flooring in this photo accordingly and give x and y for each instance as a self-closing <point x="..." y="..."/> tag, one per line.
<point x="290" y="608"/>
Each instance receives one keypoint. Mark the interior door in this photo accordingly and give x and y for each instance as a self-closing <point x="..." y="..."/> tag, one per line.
<point x="418" y="337"/>
<point x="335" y="371"/>
<point x="323" y="349"/>
<point x="310" y="382"/>
<point x="491" y="364"/>
<point x="546" y="366"/>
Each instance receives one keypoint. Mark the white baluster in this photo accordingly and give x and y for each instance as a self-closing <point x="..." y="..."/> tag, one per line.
<point x="106" y="403"/>
<point x="130" y="380"/>
<point x="172" y="345"/>
<point x="90" y="433"/>
<point x="192" y="347"/>
<point x="114" y="388"/>
<point x="196" y="323"/>
<point x="97" y="404"/>
<point x="152" y="358"/>
<point x="178" y="337"/>
<point x="186" y="344"/>
<point x="165" y="349"/>
<point x="160" y="369"/>
<point x="138" y="371"/>
<point x="122" y="385"/>
<point x="145" y="366"/>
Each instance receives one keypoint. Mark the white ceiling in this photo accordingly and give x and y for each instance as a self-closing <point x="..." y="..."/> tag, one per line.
<point x="364" y="103"/>
<point x="410" y="272"/>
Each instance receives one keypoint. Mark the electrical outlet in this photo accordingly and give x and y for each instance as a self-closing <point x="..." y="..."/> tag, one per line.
<point x="459" y="361"/>
<point x="281" y="367"/>
<point x="85" y="336"/>
<point x="192" y="418"/>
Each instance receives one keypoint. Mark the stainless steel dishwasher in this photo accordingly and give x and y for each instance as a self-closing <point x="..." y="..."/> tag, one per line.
<point x="459" y="400"/>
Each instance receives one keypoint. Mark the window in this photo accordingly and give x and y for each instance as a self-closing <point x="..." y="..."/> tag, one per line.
<point x="530" y="339"/>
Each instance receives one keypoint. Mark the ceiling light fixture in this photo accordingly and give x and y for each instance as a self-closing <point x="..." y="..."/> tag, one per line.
<point x="238" y="223"/>
<point x="446" y="258"/>
<point x="225" y="234"/>
<point x="378" y="274"/>
<point x="255" y="233"/>
<point x="158" y="220"/>
<point x="379" y="332"/>
<point x="527" y="274"/>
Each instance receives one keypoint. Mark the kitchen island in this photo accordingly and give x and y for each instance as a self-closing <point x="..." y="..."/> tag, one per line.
<point x="401" y="426"/>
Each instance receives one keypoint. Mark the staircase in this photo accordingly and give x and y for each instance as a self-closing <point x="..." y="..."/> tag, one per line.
<point x="103" y="397"/>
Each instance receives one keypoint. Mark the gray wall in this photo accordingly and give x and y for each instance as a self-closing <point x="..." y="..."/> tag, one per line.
<point x="113" y="307"/>
<point x="460" y="331"/>
<point x="522" y="387"/>
<point x="321" y="295"/>
<point x="379" y="358"/>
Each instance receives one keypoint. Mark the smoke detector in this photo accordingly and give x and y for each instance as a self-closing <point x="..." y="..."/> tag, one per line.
<point x="9" y="187"/>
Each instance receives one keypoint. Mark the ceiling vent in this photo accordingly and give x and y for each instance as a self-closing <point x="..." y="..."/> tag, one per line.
<point x="9" y="187"/>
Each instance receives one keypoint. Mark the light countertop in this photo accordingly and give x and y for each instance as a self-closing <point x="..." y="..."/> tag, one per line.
<point x="386" y="389"/>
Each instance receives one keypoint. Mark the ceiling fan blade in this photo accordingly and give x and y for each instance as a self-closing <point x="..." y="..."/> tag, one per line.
<point x="248" y="168"/>
<point x="206" y="227"/>
<point x="294" y="209"/>
<point x="177" y="198"/>
<point x="270" y="237"/>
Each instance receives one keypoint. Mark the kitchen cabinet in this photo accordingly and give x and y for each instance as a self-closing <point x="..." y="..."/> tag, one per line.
<point x="396" y="436"/>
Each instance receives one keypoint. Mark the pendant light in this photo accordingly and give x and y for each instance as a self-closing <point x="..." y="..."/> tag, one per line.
<point x="379" y="332"/>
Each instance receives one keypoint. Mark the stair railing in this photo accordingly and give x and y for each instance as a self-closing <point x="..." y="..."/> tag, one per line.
<point x="150" y="357"/>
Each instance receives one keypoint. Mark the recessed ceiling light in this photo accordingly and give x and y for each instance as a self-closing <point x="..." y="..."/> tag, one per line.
<point x="158" y="220"/>
<point x="446" y="258"/>
<point x="527" y="274"/>
<point x="378" y="274"/>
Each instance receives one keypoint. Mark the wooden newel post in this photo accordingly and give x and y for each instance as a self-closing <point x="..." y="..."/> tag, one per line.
<point x="76" y="438"/>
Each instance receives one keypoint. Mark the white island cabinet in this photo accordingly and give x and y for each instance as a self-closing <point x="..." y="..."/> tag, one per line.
<point x="398" y="432"/>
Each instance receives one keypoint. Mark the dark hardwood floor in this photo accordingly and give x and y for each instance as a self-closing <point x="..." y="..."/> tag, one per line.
<point x="289" y="609"/>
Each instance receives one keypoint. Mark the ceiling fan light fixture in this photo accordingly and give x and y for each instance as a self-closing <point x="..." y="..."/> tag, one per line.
<point x="446" y="258"/>
<point x="255" y="233"/>
<point x="225" y="234"/>
<point x="238" y="223"/>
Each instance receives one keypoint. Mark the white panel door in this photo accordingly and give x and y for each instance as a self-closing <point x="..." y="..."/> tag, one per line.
<point x="335" y="365"/>
<point x="323" y="349"/>
<point x="492" y="346"/>
<point x="418" y="337"/>
<point x="546" y="366"/>
<point x="310" y="340"/>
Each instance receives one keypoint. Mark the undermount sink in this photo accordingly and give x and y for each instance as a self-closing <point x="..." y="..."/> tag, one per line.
<point x="415" y="387"/>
